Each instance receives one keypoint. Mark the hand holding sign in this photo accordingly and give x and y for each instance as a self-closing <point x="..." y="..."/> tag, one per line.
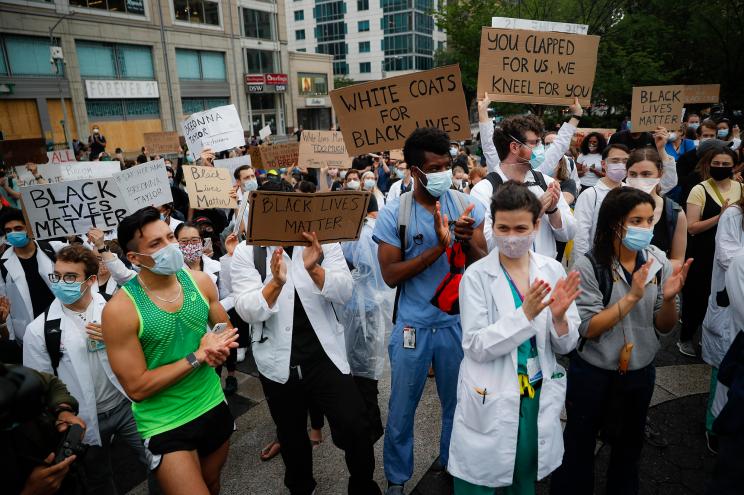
<point x="311" y="254"/>
<point x="660" y="137"/>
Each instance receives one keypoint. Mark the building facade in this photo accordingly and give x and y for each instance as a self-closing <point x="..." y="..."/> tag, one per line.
<point x="368" y="39"/>
<point x="136" y="66"/>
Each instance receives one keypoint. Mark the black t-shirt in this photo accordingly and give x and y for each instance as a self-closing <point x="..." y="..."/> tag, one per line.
<point x="41" y="296"/>
<point x="624" y="137"/>
<point x="305" y="344"/>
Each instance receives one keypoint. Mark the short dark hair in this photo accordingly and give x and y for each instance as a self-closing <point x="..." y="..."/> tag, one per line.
<point x="601" y="143"/>
<point x="10" y="215"/>
<point x="134" y="223"/>
<point x="708" y="123"/>
<point x="643" y="155"/>
<point x="512" y="128"/>
<point x="615" y="208"/>
<point x="353" y="171"/>
<point x="305" y="186"/>
<point x="422" y="140"/>
<point x="513" y="196"/>
<point x="236" y="174"/>
<point x="78" y="254"/>
<point x="185" y="225"/>
<point x="141" y="159"/>
<point x="613" y="146"/>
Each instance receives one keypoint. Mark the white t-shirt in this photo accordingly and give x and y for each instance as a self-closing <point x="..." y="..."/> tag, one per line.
<point x="590" y="161"/>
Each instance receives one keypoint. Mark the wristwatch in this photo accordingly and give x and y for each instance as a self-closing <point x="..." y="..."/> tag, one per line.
<point x="191" y="358"/>
<point x="104" y="249"/>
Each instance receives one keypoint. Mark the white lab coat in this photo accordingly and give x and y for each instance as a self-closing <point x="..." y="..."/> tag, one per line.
<point x="484" y="433"/>
<point x="15" y="287"/>
<point x="586" y="212"/>
<point x="271" y="328"/>
<point x="718" y="329"/>
<point x="394" y="191"/>
<point x="73" y="369"/>
<point x="547" y="234"/>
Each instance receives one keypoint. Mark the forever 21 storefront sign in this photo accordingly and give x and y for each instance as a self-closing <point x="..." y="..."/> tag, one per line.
<point x="121" y="89"/>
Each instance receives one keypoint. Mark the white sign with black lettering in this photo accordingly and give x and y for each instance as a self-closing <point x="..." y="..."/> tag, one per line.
<point x="233" y="163"/>
<point x="144" y="185"/>
<point x="218" y="128"/>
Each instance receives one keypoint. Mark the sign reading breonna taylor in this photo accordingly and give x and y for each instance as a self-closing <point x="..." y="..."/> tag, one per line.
<point x="218" y="128"/>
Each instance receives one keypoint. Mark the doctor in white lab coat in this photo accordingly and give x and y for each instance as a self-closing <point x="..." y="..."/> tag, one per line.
<point x="510" y="385"/>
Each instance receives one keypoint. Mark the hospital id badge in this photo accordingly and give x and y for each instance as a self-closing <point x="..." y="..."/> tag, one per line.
<point x="533" y="370"/>
<point x="409" y="338"/>
<point x="95" y="345"/>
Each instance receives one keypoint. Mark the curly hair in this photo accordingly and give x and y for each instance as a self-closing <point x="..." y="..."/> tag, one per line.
<point x="601" y="143"/>
<point x="422" y="140"/>
<point x="512" y="128"/>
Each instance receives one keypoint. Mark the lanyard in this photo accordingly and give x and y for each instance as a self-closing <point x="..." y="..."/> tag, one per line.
<point x="533" y="340"/>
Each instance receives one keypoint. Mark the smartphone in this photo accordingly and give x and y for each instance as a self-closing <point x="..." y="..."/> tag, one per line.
<point x="219" y="327"/>
<point x="207" y="244"/>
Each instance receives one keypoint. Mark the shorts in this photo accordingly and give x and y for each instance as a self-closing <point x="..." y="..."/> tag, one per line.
<point x="204" y="434"/>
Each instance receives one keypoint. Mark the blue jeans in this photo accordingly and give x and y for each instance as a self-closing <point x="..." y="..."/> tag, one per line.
<point x="441" y="347"/>
<point x="603" y="400"/>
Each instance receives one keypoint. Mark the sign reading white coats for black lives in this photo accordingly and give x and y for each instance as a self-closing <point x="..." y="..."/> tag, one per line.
<point x="218" y="128"/>
<point x="543" y="68"/>
<point x="144" y="185"/>
<point x="380" y="115"/>
<point x="73" y="207"/>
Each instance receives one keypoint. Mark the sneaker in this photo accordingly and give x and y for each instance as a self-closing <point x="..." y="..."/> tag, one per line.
<point x="654" y="436"/>
<point x="241" y="354"/>
<point x="687" y="348"/>
<point x="393" y="489"/>
<point x="231" y="385"/>
<point x="711" y="441"/>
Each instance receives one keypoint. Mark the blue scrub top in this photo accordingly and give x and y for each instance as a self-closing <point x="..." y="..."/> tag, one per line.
<point x="414" y="307"/>
<point x="684" y="147"/>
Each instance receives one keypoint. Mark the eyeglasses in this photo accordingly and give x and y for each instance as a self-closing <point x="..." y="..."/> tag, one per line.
<point x="68" y="278"/>
<point x="530" y="143"/>
<point x="185" y="242"/>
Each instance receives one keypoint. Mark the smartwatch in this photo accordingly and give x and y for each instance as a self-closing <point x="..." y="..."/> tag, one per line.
<point x="191" y="358"/>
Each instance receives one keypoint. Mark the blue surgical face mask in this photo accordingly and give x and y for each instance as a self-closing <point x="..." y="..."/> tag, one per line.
<point x="400" y="173"/>
<point x="168" y="260"/>
<point x="369" y="184"/>
<point x="163" y="218"/>
<point x="250" y="185"/>
<point x="68" y="293"/>
<point x="637" y="238"/>
<point x="17" y="239"/>
<point x="722" y="133"/>
<point x="537" y="157"/>
<point x="693" y="126"/>
<point x="437" y="183"/>
<point x="453" y="152"/>
<point x="171" y="182"/>
<point x="672" y="137"/>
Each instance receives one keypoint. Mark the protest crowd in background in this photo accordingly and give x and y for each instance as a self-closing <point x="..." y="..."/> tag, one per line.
<point x="525" y="269"/>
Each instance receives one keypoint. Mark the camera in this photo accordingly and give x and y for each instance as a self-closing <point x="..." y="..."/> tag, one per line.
<point x="71" y="444"/>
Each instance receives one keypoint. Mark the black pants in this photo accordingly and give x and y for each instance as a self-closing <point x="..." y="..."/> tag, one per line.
<point x="326" y="389"/>
<point x="368" y="390"/>
<point x="728" y="475"/>
<point x="603" y="400"/>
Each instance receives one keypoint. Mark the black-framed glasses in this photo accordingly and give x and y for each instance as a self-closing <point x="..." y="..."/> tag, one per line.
<point x="68" y="278"/>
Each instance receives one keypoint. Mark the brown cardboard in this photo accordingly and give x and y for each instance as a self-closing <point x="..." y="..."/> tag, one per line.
<point x="208" y="187"/>
<point x="544" y="68"/>
<point x="282" y="155"/>
<point x="582" y="132"/>
<point x="379" y="115"/>
<point x="397" y="155"/>
<point x="656" y="106"/>
<point x="279" y="218"/>
<point x="159" y="143"/>
<point x="702" y="93"/>
<point x="319" y="149"/>
<point x="255" y="153"/>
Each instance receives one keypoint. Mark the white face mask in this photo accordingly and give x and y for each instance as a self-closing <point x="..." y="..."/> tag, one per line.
<point x="514" y="246"/>
<point x="353" y="185"/>
<point x="645" y="185"/>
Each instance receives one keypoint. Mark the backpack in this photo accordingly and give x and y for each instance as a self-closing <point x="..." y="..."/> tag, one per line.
<point x="495" y="179"/>
<point x="671" y="212"/>
<point x="404" y="218"/>
<point x="53" y="336"/>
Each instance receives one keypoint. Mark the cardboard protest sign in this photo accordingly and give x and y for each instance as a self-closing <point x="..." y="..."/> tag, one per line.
<point x="544" y="68"/>
<point x="208" y="187"/>
<point x="264" y="132"/>
<point x="232" y="164"/>
<point x="319" y="149"/>
<point x="144" y="185"/>
<point x="397" y="155"/>
<point x="279" y="218"/>
<point x="656" y="106"/>
<point x="380" y="115"/>
<point x="255" y="154"/>
<point x="160" y="143"/>
<point x="73" y="207"/>
<point x="582" y="132"/>
<point x="702" y="93"/>
<point x="280" y="155"/>
<point x="218" y="128"/>
<point x="64" y="171"/>
<point x="61" y="156"/>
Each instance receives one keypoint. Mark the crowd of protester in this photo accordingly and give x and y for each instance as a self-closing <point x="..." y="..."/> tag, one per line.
<point x="526" y="273"/>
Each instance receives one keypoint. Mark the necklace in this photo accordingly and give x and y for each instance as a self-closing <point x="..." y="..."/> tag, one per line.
<point x="180" y="289"/>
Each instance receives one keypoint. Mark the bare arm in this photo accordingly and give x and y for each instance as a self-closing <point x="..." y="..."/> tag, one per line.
<point x="217" y="313"/>
<point x="697" y="226"/>
<point x="679" y="242"/>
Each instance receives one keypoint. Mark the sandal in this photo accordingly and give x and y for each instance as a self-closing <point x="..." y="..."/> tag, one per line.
<point x="270" y="451"/>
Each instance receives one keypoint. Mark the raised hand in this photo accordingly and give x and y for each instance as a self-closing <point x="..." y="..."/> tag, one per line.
<point x="576" y="109"/>
<point x="565" y="292"/>
<point x="441" y="226"/>
<point x="311" y="254"/>
<point x="95" y="237"/>
<point x="231" y="242"/>
<point x="483" y="104"/>
<point x="464" y="224"/>
<point x="534" y="303"/>
<point x="674" y="283"/>
<point x="638" y="286"/>
<point x="278" y="267"/>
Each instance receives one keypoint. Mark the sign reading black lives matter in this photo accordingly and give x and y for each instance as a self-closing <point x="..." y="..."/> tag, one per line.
<point x="218" y="128"/>
<point x="656" y="106"/>
<point x="279" y="218"/>
<point x="543" y="68"/>
<point x="380" y="115"/>
<point x="73" y="207"/>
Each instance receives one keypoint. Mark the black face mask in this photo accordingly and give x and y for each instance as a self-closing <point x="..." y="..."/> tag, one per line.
<point x="721" y="173"/>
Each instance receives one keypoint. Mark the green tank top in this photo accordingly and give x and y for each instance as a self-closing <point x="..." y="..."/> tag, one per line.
<point x="165" y="338"/>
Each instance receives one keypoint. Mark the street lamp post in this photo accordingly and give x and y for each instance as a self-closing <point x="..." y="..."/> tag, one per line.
<point x="58" y="64"/>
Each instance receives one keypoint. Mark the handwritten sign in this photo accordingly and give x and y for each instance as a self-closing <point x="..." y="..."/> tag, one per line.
<point x="582" y="132"/>
<point x="208" y="187"/>
<point x="255" y="154"/>
<point x="264" y="132"/>
<point x="218" y="128"/>
<point x="656" y="106"/>
<point x="144" y="185"/>
<point x="233" y="164"/>
<point x="64" y="171"/>
<point x="160" y="143"/>
<point x="73" y="207"/>
<point x="319" y="149"/>
<point x="544" y="68"/>
<point x="535" y="25"/>
<point x="397" y="155"/>
<point x="380" y="115"/>
<point x="279" y="219"/>
<point x="61" y="156"/>
<point x="283" y="155"/>
<point x="702" y="93"/>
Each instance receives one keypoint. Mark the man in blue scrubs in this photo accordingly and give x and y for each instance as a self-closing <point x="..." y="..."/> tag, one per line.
<point x="423" y="334"/>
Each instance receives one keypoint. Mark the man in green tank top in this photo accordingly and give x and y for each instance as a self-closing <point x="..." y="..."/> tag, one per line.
<point x="159" y="347"/>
